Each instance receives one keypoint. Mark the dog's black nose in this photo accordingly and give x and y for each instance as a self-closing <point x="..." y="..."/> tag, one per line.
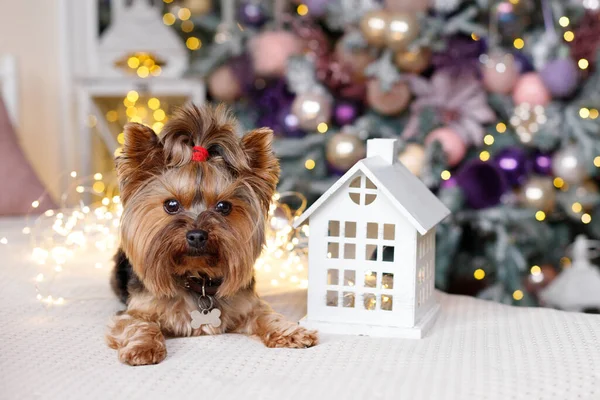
<point x="197" y="238"/>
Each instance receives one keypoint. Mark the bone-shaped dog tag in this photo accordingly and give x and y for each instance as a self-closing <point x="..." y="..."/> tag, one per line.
<point x="205" y="317"/>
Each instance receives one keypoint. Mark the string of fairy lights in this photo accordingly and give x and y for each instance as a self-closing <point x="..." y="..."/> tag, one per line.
<point x="58" y="237"/>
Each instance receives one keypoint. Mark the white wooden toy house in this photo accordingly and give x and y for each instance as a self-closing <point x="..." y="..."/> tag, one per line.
<point x="372" y="250"/>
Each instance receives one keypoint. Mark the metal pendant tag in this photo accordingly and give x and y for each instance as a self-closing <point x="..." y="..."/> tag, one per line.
<point x="207" y="315"/>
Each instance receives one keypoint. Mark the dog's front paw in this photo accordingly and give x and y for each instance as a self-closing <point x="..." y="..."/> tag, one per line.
<point x="143" y="353"/>
<point x="295" y="338"/>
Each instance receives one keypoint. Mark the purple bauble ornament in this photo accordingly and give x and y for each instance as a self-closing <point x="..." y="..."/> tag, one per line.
<point x="542" y="164"/>
<point x="523" y="62"/>
<point x="273" y="105"/>
<point x="242" y="68"/>
<point x="560" y="77"/>
<point x="449" y="183"/>
<point x="316" y="8"/>
<point x="345" y="113"/>
<point x="289" y="123"/>
<point x="512" y="161"/>
<point x="252" y="14"/>
<point x="482" y="183"/>
<point x="460" y="56"/>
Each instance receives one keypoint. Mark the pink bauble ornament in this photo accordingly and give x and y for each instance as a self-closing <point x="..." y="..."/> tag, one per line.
<point x="500" y="72"/>
<point x="223" y="84"/>
<point x="388" y="103"/>
<point x="270" y="51"/>
<point x="407" y="5"/>
<point x="531" y="89"/>
<point x="454" y="147"/>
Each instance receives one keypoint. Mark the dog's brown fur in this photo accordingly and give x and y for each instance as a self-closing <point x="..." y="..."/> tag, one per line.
<point x="153" y="169"/>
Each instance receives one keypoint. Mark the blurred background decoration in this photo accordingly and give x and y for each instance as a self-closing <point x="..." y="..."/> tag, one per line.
<point x="496" y="104"/>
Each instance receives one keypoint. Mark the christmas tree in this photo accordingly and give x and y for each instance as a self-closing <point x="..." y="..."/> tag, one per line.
<point x="495" y="104"/>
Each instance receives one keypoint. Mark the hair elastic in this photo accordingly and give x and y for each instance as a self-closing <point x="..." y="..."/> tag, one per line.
<point x="200" y="154"/>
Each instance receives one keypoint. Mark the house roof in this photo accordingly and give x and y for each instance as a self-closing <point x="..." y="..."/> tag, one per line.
<point x="405" y="191"/>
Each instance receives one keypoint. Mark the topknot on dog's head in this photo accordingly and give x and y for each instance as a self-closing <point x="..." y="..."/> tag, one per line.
<point x="203" y="136"/>
<point x="213" y="128"/>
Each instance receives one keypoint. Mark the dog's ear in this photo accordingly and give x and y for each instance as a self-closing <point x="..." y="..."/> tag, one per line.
<point x="141" y="158"/>
<point x="263" y="163"/>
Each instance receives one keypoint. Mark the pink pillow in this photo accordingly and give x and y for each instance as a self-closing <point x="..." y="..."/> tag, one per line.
<point x="19" y="185"/>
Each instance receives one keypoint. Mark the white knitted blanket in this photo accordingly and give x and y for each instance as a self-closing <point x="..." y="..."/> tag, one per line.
<point x="476" y="350"/>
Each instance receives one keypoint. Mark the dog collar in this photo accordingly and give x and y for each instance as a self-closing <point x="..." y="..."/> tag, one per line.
<point x="203" y="285"/>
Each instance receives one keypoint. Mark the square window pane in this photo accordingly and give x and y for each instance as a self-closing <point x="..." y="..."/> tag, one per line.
<point x="356" y="182"/>
<point x="349" y="278"/>
<point x="348" y="300"/>
<point x="333" y="250"/>
<point x="388" y="253"/>
<point x="349" y="251"/>
<point x="370" y="279"/>
<point x="387" y="302"/>
<point x="370" y="301"/>
<point x="369" y="198"/>
<point x="372" y="230"/>
<point x="334" y="228"/>
<point x="355" y="197"/>
<point x="387" y="280"/>
<point x="332" y="298"/>
<point x="370" y="185"/>
<point x="389" y="232"/>
<point x="371" y="253"/>
<point x="333" y="277"/>
<point x="350" y="230"/>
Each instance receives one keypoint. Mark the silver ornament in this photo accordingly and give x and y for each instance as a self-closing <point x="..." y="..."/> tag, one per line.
<point x="539" y="193"/>
<point x="311" y="109"/>
<point x="344" y="150"/>
<point x="567" y="164"/>
<point x="586" y="195"/>
<point x="527" y="121"/>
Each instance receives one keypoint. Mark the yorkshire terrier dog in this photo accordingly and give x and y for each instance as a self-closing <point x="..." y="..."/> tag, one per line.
<point x="195" y="202"/>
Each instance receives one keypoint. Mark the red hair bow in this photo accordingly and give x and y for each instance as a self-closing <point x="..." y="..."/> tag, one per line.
<point x="200" y="154"/>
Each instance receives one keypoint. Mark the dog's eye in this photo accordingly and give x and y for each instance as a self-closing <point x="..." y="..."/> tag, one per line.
<point x="224" y="207"/>
<point x="172" y="206"/>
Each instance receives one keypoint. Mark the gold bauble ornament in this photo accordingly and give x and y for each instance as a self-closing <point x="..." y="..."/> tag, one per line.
<point x="198" y="7"/>
<point x="374" y="26"/>
<point x="311" y="109"/>
<point x="413" y="61"/>
<point x="539" y="193"/>
<point x="407" y="5"/>
<point x="344" y="150"/>
<point x="413" y="158"/>
<point x="401" y="29"/>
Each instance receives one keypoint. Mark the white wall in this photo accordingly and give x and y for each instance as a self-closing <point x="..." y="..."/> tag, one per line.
<point x="29" y="29"/>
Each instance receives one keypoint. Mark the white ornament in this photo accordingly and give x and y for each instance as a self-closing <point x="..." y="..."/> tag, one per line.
<point x="372" y="250"/>
<point x="577" y="287"/>
<point x="446" y="5"/>
<point x="139" y="27"/>
<point x="205" y="317"/>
